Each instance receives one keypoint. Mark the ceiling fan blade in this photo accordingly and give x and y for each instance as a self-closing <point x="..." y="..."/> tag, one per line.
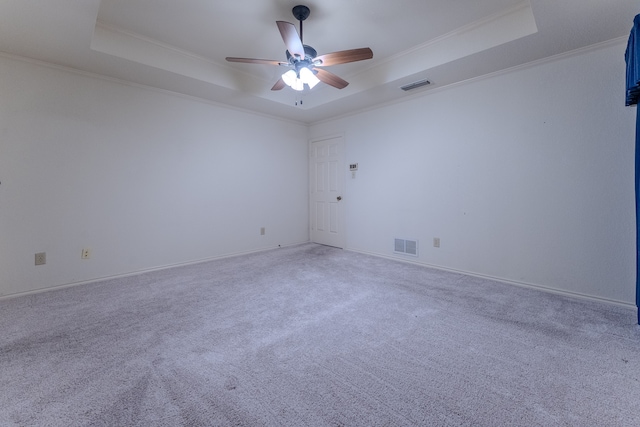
<point x="255" y="61"/>
<point x="291" y="38"/>
<point x="331" y="79"/>
<point x="344" y="56"/>
<point x="280" y="84"/>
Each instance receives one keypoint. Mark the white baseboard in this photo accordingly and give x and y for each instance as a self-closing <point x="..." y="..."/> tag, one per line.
<point x="147" y="270"/>
<point x="502" y="280"/>
<point x="379" y="255"/>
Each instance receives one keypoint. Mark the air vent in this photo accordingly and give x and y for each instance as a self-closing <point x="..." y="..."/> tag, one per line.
<point x="406" y="247"/>
<point x="415" y="85"/>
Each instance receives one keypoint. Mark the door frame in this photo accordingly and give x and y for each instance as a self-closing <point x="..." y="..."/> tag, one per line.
<point x="341" y="159"/>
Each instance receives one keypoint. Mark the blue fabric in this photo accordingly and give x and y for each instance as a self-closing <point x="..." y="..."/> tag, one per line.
<point x="632" y="58"/>
<point x="638" y="212"/>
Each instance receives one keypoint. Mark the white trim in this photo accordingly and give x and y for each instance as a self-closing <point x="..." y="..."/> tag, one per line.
<point x="501" y="280"/>
<point x="434" y="88"/>
<point x="324" y="138"/>
<point x="147" y="270"/>
<point x="306" y="122"/>
<point x="487" y="20"/>
<point x="378" y="255"/>
<point x="123" y="82"/>
<point x="183" y="52"/>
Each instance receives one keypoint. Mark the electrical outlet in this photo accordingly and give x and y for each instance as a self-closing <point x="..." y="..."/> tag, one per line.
<point x="41" y="258"/>
<point x="86" y="253"/>
<point x="436" y="242"/>
<point x="262" y="231"/>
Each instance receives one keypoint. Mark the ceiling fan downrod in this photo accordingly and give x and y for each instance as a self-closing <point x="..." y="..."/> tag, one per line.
<point x="301" y="12"/>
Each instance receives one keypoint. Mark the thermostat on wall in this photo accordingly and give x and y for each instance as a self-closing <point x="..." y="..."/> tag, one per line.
<point x="353" y="167"/>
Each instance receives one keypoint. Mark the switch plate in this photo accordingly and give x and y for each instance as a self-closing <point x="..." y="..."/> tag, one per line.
<point x="436" y="242"/>
<point x="86" y="253"/>
<point x="262" y="231"/>
<point x="41" y="258"/>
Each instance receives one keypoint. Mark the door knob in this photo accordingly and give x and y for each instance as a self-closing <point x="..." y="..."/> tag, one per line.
<point x="339" y="198"/>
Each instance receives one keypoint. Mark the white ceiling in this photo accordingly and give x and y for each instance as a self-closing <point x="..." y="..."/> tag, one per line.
<point x="180" y="45"/>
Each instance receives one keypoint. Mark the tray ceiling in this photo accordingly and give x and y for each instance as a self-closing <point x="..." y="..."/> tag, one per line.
<point x="181" y="46"/>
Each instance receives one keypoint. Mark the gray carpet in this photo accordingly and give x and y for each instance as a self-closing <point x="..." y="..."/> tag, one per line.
<point x="315" y="336"/>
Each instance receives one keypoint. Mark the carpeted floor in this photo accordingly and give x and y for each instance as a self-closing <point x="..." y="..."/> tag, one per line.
<point x="315" y="336"/>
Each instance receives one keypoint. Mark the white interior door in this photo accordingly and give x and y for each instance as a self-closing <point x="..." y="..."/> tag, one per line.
<point x="327" y="183"/>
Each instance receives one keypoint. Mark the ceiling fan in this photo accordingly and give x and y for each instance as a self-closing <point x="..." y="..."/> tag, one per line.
<point x="303" y="60"/>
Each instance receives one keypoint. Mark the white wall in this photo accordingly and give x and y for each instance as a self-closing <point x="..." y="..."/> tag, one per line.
<point x="142" y="177"/>
<point x="526" y="176"/>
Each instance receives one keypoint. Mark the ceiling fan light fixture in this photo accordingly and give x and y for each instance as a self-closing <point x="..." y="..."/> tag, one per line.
<point x="298" y="85"/>
<point x="307" y="76"/>
<point x="296" y="81"/>
<point x="290" y="78"/>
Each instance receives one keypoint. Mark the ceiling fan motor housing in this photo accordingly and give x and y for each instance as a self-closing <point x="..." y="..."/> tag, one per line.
<point x="309" y="54"/>
<point x="298" y="64"/>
